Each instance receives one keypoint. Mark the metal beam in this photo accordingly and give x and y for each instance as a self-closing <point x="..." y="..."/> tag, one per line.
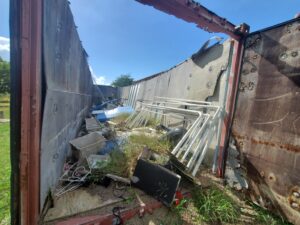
<point x="30" y="42"/>
<point x="193" y="12"/>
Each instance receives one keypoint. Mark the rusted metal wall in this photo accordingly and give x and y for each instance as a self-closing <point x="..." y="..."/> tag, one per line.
<point x="267" y="119"/>
<point x="68" y="90"/>
<point x="26" y="104"/>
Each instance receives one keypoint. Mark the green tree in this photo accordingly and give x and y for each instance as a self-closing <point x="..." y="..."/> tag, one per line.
<point x="4" y="77"/>
<point x="122" y="81"/>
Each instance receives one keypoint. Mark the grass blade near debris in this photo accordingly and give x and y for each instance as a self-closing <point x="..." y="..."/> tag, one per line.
<point x="215" y="206"/>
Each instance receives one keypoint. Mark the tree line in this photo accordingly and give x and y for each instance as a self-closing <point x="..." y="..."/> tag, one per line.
<point x="4" y="76"/>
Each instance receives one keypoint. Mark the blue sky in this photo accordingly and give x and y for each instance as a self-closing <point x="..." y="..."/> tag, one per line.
<point x="124" y="36"/>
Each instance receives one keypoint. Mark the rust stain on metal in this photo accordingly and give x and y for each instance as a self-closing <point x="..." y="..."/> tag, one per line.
<point x="283" y="146"/>
<point x="266" y="123"/>
<point x="30" y="35"/>
<point x="194" y="12"/>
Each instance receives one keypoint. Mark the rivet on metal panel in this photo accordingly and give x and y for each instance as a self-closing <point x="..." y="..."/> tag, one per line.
<point x="242" y="86"/>
<point x="294" y="54"/>
<point x="57" y="56"/>
<point x="55" y="156"/>
<point x="250" y="86"/>
<point x="283" y="56"/>
<point x="245" y="72"/>
<point x="54" y="108"/>
<point x="272" y="177"/>
<point x="208" y="84"/>
<point x="59" y="26"/>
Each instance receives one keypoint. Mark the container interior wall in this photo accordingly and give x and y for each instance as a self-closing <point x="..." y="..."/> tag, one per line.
<point x="103" y="93"/>
<point x="196" y="78"/>
<point x="202" y="77"/>
<point x="67" y="90"/>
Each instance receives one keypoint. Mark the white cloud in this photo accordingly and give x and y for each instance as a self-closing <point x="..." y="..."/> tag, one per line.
<point x="98" y="79"/>
<point x="4" y="47"/>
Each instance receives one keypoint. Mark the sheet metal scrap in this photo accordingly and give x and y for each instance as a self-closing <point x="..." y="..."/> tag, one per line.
<point x="88" y="144"/>
<point x="92" y="125"/>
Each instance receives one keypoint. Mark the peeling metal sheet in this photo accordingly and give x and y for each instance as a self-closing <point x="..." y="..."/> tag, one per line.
<point x="266" y="125"/>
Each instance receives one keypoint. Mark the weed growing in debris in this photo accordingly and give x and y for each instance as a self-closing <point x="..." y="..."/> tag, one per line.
<point x="263" y="216"/>
<point x="215" y="206"/>
<point x="152" y="122"/>
<point x="117" y="164"/>
<point x="154" y="143"/>
<point x="123" y="162"/>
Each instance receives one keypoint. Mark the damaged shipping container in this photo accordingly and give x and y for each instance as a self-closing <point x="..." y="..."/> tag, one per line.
<point x="241" y="94"/>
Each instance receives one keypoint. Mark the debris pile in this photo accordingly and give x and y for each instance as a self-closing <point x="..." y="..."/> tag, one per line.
<point x="147" y="149"/>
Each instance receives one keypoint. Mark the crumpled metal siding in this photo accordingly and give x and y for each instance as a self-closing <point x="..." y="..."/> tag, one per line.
<point x="266" y="125"/>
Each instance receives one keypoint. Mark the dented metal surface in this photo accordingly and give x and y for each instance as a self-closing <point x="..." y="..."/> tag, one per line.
<point x="266" y="125"/>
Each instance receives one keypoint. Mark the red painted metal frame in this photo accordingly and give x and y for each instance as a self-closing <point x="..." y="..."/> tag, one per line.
<point x="31" y="42"/>
<point x="230" y="103"/>
<point x="193" y="12"/>
<point x="107" y="219"/>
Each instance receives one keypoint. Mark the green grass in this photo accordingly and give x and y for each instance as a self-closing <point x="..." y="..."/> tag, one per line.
<point x="264" y="217"/>
<point x="214" y="206"/>
<point x="123" y="162"/>
<point x="153" y="143"/>
<point x="5" y="174"/>
<point x="4" y="105"/>
<point x="4" y="162"/>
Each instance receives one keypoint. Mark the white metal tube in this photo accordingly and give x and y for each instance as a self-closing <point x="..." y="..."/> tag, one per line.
<point x="199" y="133"/>
<point x="203" y="152"/>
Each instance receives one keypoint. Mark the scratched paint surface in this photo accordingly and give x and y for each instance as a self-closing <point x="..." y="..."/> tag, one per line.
<point x="266" y="125"/>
